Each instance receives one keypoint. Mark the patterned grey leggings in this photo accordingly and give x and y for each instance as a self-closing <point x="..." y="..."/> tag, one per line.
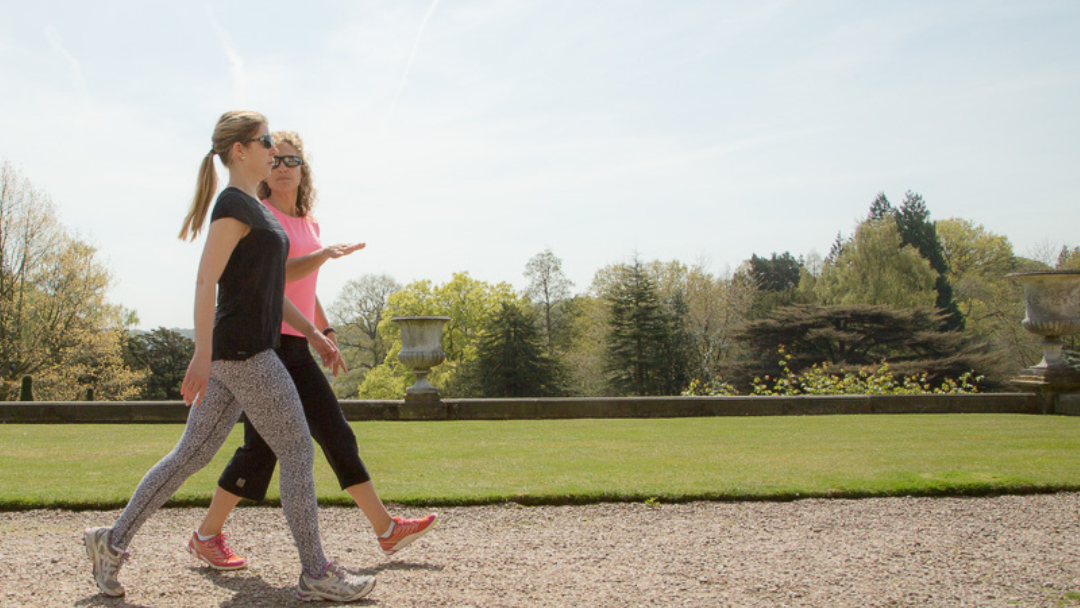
<point x="261" y="388"/>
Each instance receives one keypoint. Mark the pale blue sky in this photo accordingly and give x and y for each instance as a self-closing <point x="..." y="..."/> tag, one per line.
<point x="469" y="135"/>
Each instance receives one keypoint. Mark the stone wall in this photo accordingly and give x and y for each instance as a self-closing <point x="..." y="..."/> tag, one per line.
<point x="110" y="412"/>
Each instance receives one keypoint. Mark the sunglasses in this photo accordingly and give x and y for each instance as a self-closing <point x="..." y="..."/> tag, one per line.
<point x="267" y="141"/>
<point x="290" y="161"/>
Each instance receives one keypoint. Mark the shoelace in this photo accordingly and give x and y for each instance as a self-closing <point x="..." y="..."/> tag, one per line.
<point x="344" y="578"/>
<point x="113" y="567"/>
<point x="406" y="526"/>
<point x="218" y="543"/>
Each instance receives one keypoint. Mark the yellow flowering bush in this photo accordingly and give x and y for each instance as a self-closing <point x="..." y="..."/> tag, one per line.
<point x="819" y="379"/>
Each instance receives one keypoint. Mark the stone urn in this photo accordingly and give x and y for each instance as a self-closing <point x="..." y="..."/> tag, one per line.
<point x="1052" y="304"/>
<point x="421" y="350"/>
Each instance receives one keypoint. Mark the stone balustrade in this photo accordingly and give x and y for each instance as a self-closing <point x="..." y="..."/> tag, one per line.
<point x="144" y="412"/>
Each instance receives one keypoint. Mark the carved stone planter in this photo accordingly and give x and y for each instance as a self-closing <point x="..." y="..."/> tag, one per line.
<point x="1052" y="303"/>
<point x="421" y="350"/>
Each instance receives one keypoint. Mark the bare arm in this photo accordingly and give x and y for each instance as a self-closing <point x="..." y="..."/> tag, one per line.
<point x="327" y="349"/>
<point x="323" y="322"/>
<point x="320" y="316"/>
<point x="300" y="267"/>
<point x="221" y="239"/>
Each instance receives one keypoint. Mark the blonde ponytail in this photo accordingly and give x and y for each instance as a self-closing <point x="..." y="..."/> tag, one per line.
<point x="204" y="191"/>
<point x="232" y="127"/>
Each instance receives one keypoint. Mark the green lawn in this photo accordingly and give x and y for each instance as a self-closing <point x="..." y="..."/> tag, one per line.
<point x="567" y="461"/>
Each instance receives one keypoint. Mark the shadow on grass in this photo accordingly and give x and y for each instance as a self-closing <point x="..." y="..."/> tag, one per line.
<point x="969" y="490"/>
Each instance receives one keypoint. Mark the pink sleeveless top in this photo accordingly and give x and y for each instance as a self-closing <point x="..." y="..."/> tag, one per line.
<point x="303" y="239"/>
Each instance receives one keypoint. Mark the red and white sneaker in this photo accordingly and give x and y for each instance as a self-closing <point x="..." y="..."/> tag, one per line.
<point x="216" y="553"/>
<point x="405" y="532"/>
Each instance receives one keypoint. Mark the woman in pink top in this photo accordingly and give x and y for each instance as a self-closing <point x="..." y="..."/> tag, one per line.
<point x="289" y="194"/>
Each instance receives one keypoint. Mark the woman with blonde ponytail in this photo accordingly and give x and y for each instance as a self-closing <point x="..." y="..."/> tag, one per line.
<point x="289" y="193"/>
<point x="234" y="368"/>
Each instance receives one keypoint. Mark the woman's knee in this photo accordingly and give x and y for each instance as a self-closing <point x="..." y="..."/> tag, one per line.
<point x="296" y="449"/>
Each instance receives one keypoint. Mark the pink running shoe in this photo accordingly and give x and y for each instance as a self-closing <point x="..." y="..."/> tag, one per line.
<point x="216" y="553"/>
<point x="405" y="532"/>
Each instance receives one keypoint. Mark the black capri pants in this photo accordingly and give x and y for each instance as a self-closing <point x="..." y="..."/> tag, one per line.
<point x="249" y="472"/>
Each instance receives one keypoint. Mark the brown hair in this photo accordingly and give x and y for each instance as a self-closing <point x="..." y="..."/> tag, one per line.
<point x="232" y="127"/>
<point x="305" y="193"/>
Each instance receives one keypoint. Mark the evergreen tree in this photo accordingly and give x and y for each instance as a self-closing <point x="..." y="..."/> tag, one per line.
<point x="1068" y="259"/>
<point x="640" y="338"/>
<point x="677" y="354"/>
<point x="848" y="337"/>
<point x="511" y="359"/>
<point x="777" y="281"/>
<point x="836" y="249"/>
<point x="881" y="208"/>
<point x="778" y="273"/>
<point x="165" y="355"/>
<point x="917" y="230"/>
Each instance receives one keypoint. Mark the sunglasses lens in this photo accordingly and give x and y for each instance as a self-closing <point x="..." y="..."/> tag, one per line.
<point x="290" y="161"/>
<point x="267" y="141"/>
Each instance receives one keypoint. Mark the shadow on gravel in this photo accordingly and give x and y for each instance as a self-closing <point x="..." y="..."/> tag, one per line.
<point x="111" y="602"/>
<point x="253" y="592"/>
<point x="249" y="590"/>
<point x="398" y="566"/>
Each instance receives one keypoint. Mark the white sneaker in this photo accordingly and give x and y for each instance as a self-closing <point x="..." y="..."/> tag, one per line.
<point x="106" y="559"/>
<point x="337" y="584"/>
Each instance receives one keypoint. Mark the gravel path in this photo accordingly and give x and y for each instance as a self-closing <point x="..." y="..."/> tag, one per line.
<point x="1004" y="551"/>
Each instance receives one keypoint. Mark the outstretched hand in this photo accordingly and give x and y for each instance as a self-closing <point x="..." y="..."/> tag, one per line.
<point x="343" y="249"/>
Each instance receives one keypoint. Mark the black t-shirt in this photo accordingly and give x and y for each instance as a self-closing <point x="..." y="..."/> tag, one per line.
<point x="252" y="287"/>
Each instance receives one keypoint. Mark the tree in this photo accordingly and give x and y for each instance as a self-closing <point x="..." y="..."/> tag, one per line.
<point x="548" y="287"/>
<point x="163" y="355"/>
<point x="836" y="248"/>
<point x="715" y="306"/>
<point x="881" y="208"/>
<point x="468" y="302"/>
<point x="777" y="279"/>
<point x="875" y="268"/>
<point x="356" y="315"/>
<point x="978" y="262"/>
<point x="1068" y="259"/>
<point x="644" y="356"/>
<point x="511" y="360"/>
<point x="778" y="273"/>
<point x="676" y="367"/>
<point x="917" y="230"/>
<point x="849" y="337"/>
<point x="586" y="319"/>
<point x="55" y="322"/>
<point x="703" y="309"/>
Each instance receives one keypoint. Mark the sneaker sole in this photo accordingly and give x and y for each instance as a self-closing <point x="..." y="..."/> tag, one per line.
<point x="195" y="553"/>
<point x="408" y="540"/>
<point x="88" y="541"/>
<point x="315" y="596"/>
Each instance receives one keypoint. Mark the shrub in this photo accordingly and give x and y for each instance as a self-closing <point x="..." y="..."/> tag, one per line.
<point x="820" y="379"/>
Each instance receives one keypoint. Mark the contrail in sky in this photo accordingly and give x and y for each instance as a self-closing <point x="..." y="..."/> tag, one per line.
<point x="235" y="60"/>
<point x="57" y="44"/>
<point x="416" y="47"/>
